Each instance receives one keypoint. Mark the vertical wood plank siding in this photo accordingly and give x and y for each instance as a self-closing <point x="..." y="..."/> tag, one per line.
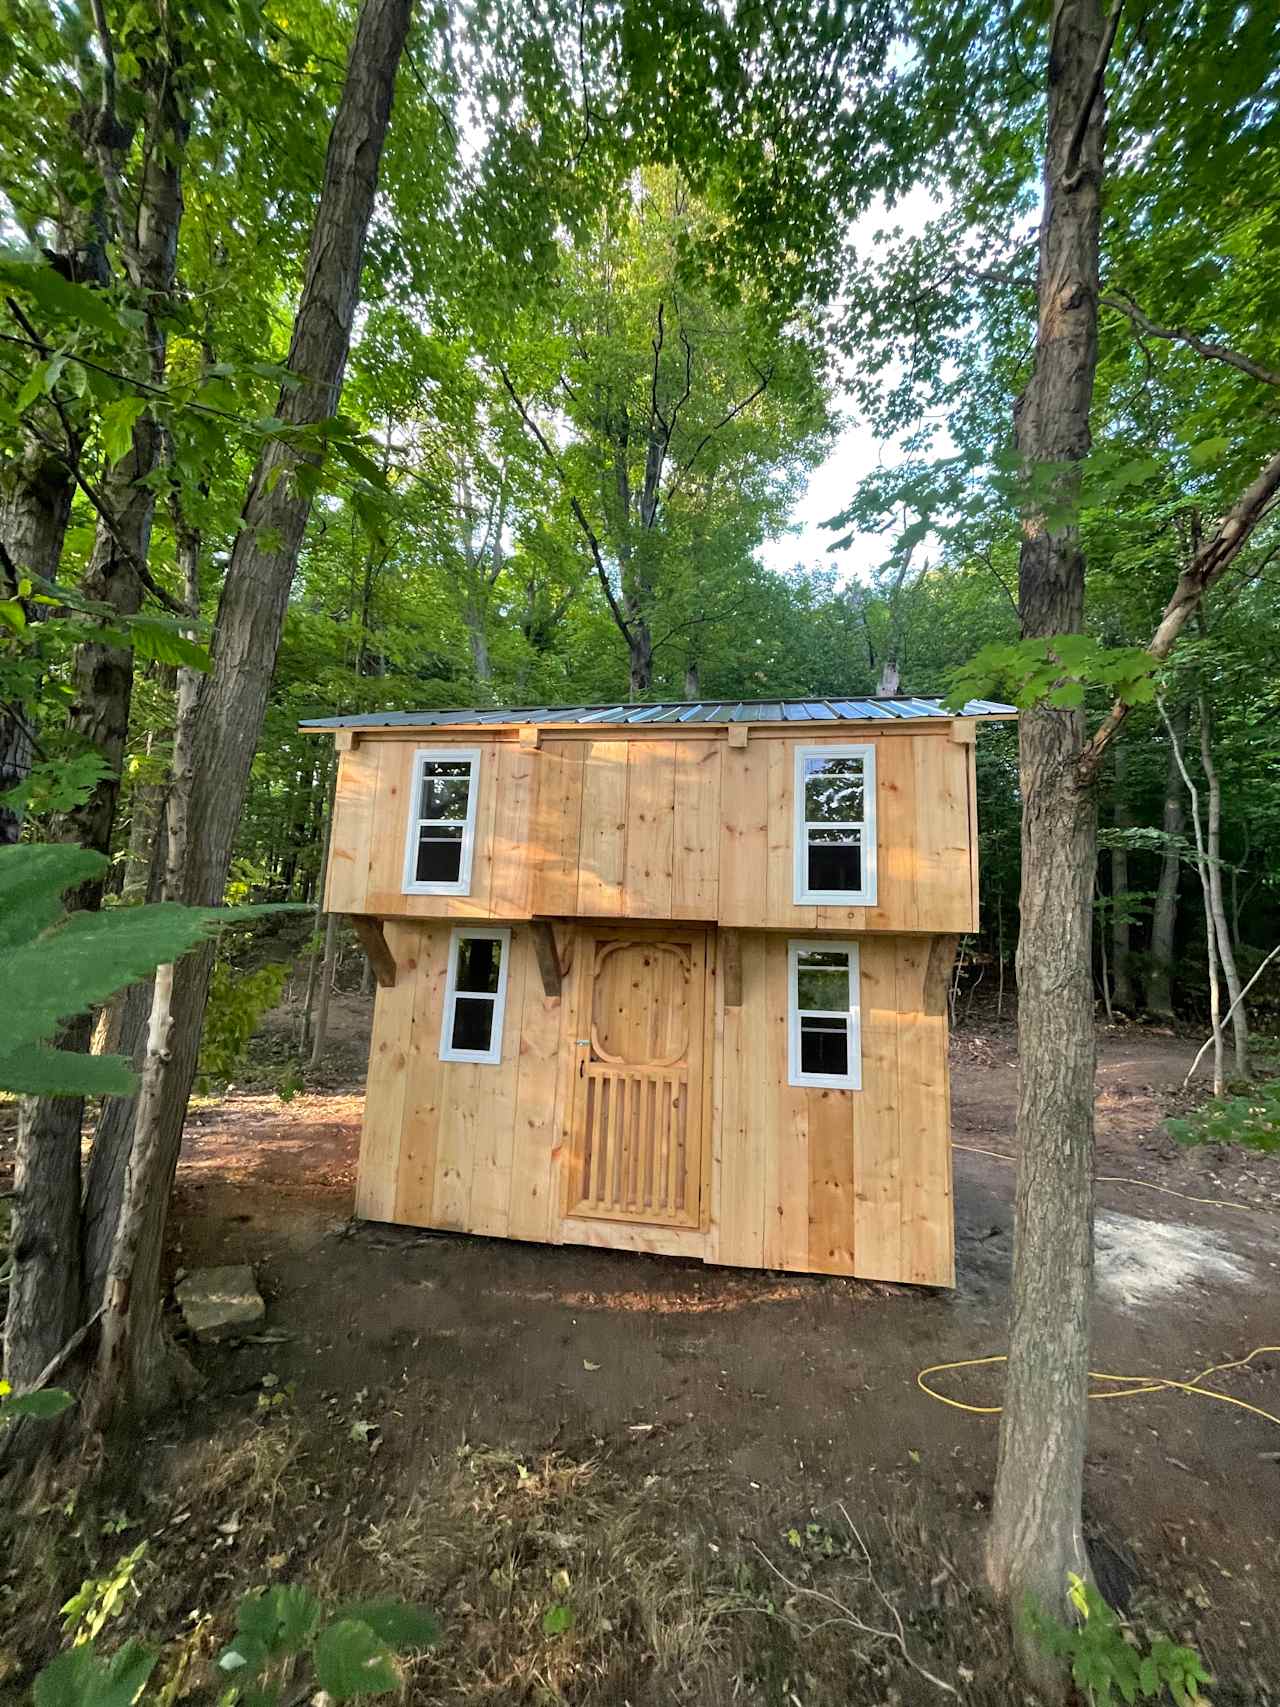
<point x="651" y="828"/>
<point x="802" y="1179"/>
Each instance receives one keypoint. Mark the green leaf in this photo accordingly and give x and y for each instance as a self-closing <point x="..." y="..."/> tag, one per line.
<point x="395" y="1623"/>
<point x="48" y="1402"/>
<point x="58" y="296"/>
<point x="558" y="1619"/>
<point x="351" y="1660"/>
<point x="282" y="1617"/>
<point x="118" y="421"/>
<point x="162" y="640"/>
<point x="1209" y="450"/>
<point x="78" y="1678"/>
<point x="32" y="879"/>
<point x="52" y="967"/>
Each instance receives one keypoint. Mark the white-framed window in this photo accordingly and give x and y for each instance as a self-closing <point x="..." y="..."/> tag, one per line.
<point x="442" y="821"/>
<point x="824" y="1045"/>
<point x="475" y="995"/>
<point x="835" y="825"/>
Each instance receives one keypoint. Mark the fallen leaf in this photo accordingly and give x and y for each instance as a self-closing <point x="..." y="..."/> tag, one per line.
<point x="587" y="1364"/>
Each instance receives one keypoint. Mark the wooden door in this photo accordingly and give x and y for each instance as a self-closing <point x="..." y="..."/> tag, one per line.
<point x="637" y="1125"/>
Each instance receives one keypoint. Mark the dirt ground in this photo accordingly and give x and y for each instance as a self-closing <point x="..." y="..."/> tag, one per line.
<point x="688" y="1456"/>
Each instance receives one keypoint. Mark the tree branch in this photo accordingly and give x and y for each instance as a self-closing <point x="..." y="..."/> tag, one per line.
<point x="1070" y="174"/>
<point x="1181" y="335"/>
<point x="1209" y="563"/>
<point x="580" y="515"/>
<point x="723" y="422"/>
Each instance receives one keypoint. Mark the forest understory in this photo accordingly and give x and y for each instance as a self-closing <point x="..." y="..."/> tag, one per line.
<point x="634" y="1480"/>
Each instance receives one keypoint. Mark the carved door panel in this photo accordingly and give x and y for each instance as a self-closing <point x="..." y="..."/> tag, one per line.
<point x="637" y="1128"/>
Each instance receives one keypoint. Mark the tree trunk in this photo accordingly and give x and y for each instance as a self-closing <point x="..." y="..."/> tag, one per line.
<point x="1122" y="986"/>
<point x="1213" y="851"/>
<point x="640" y="651"/>
<point x="1210" y="929"/>
<point x="1164" y="914"/>
<point x="1036" y="1535"/>
<point x="45" y="1297"/>
<point x="246" y="639"/>
<point x="321" y="1031"/>
<point x="35" y="507"/>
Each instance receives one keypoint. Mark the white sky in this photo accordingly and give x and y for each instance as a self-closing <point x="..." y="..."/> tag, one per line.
<point x="855" y="454"/>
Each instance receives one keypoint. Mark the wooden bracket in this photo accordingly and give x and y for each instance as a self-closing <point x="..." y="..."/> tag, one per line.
<point x="530" y="734"/>
<point x="346" y="740"/>
<point x="373" y="941"/>
<point x="544" y="946"/>
<point x="964" y="731"/>
<point x="737" y="734"/>
<point x="938" y="972"/>
<point x="731" y="964"/>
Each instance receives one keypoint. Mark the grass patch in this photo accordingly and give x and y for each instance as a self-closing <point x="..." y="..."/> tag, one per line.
<point x="558" y="1578"/>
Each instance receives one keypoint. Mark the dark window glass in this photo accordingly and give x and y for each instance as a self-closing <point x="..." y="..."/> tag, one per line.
<point x="472" y="1022"/>
<point x="833" y="791"/>
<point x="479" y="961"/>
<point x="439" y="854"/>
<point x="824" y="1047"/>
<point x="835" y="860"/>
<point x="445" y="788"/>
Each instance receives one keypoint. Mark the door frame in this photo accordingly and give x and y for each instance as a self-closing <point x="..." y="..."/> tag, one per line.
<point x="580" y="991"/>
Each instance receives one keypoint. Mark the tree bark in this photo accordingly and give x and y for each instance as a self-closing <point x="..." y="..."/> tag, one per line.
<point x="1036" y="1535"/>
<point x="1222" y="931"/>
<point x="46" y="1295"/>
<point x="35" y="507"/>
<point x="1164" y="914"/>
<point x="245" y="643"/>
<point x="1210" y="929"/>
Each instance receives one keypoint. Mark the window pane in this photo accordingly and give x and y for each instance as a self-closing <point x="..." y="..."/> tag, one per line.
<point x="479" y="958"/>
<point x="445" y="787"/>
<point x="824" y="1047"/>
<point x="472" y="1022"/>
<point x="439" y="854"/>
<point x="835" y="860"/>
<point x="833" y="790"/>
<point x="818" y="989"/>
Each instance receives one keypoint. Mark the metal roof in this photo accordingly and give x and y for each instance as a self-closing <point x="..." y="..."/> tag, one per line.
<point x="877" y="708"/>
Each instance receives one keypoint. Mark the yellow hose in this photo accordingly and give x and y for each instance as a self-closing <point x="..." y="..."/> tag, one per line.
<point x="1133" y="1384"/>
<point x="1119" y="1179"/>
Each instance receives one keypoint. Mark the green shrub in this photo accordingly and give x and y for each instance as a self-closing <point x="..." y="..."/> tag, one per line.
<point x="1252" y="1119"/>
<point x="1109" y="1662"/>
<point x="237" y="1002"/>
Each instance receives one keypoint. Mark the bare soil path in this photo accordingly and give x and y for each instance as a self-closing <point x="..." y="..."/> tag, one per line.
<point x="786" y="1394"/>
<point x="500" y="1427"/>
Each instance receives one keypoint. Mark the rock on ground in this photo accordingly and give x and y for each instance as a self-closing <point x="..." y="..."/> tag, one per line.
<point x="217" y="1303"/>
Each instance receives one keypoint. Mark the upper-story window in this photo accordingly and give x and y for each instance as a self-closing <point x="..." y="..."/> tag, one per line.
<point x="835" y="826"/>
<point x="442" y="821"/>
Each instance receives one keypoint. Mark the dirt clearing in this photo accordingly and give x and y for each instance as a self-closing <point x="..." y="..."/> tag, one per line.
<point x="678" y="1455"/>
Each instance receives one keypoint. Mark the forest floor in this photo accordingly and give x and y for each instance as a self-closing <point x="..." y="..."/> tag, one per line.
<point x="682" y="1454"/>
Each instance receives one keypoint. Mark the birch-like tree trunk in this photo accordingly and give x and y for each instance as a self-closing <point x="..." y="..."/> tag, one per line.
<point x="233" y="700"/>
<point x="1164" y="912"/>
<point x="1222" y="930"/>
<point x="1036" y="1535"/>
<point x="1210" y="925"/>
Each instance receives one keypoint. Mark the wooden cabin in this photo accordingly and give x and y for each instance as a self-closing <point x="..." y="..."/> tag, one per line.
<point x="665" y="978"/>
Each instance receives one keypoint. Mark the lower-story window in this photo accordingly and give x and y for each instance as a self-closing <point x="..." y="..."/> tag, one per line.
<point x="475" y="995"/>
<point x="823" y="1007"/>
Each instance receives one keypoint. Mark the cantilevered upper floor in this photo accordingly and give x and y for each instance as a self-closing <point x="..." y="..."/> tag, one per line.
<point x="794" y="815"/>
